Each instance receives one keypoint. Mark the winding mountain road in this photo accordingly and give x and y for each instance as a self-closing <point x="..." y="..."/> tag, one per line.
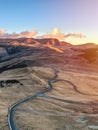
<point x="11" y="123"/>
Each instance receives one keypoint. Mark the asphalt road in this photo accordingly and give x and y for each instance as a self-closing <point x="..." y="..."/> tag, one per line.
<point x="11" y="122"/>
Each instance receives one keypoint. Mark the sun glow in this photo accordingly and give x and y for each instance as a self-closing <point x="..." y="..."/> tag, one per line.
<point x="78" y="41"/>
<point x="55" y="31"/>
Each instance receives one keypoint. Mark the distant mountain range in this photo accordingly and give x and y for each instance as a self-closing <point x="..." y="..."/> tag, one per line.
<point x="8" y="47"/>
<point x="51" y="41"/>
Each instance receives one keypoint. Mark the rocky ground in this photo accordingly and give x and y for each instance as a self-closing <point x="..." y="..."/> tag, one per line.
<point x="72" y="103"/>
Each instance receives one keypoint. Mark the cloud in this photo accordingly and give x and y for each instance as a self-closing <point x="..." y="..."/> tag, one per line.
<point x="56" y="33"/>
<point x="77" y="35"/>
<point x="2" y="32"/>
<point x="28" y="34"/>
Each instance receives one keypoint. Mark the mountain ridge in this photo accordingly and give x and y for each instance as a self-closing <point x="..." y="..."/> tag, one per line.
<point x="51" y="41"/>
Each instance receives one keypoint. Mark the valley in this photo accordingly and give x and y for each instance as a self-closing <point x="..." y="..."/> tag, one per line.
<point x="30" y="66"/>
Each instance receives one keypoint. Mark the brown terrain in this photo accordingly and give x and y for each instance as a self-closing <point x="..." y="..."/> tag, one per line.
<point x="26" y="66"/>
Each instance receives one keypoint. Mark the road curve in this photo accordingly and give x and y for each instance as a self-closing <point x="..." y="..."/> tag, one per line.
<point x="11" y="122"/>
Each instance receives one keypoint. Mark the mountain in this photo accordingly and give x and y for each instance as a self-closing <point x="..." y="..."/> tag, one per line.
<point x="22" y="46"/>
<point x="51" y="41"/>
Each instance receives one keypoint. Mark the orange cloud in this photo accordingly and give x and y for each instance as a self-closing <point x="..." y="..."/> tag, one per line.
<point x="27" y="34"/>
<point x="2" y="32"/>
<point x="56" y="33"/>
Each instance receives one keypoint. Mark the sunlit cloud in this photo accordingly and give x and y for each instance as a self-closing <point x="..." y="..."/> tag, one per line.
<point x="56" y="33"/>
<point x="27" y="34"/>
<point x="76" y="35"/>
<point x="2" y="32"/>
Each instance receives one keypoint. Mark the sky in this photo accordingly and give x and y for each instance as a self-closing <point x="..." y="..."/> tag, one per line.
<point x="74" y="21"/>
